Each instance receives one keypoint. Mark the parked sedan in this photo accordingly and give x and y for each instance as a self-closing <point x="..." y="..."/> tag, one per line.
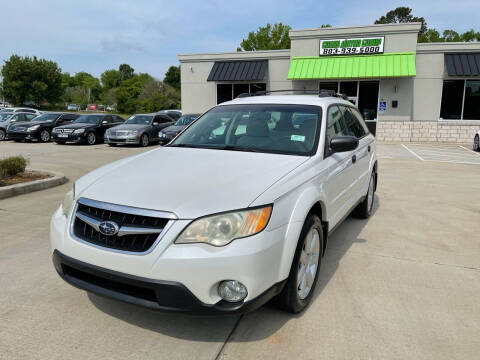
<point x="140" y="129"/>
<point x="174" y="114"/>
<point x="86" y="129"/>
<point x="8" y="118"/>
<point x="167" y="134"/>
<point x="40" y="128"/>
<point x="23" y="110"/>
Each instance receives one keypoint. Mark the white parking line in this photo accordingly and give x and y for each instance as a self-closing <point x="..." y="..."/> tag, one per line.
<point x="412" y="152"/>
<point x="470" y="150"/>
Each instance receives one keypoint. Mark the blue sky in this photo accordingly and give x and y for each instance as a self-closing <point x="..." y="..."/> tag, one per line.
<point x="97" y="35"/>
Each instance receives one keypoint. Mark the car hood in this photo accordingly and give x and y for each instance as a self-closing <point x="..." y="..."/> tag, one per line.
<point x="76" y="126"/>
<point x="130" y="127"/>
<point x="188" y="182"/>
<point x="174" y="129"/>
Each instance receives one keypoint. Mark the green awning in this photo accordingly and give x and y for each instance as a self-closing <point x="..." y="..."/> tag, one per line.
<point x="352" y="67"/>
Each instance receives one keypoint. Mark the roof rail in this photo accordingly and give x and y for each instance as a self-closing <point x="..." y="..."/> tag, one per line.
<point x="266" y="92"/>
<point x="331" y="93"/>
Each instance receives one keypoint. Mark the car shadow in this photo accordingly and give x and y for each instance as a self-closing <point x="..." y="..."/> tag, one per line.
<point x="268" y="319"/>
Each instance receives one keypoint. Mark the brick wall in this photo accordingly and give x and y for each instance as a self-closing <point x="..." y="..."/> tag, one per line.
<point x="425" y="131"/>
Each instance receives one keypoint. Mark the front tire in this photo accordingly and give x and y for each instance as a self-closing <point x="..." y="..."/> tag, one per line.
<point x="144" y="140"/>
<point x="3" y="135"/>
<point x="476" y="143"/>
<point x="91" y="138"/>
<point x="300" y="286"/>
<point x="44" y="136"/>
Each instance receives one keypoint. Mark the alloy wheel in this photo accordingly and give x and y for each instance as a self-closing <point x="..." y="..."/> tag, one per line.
<point x="144" y="140"/>
<point x="91" y="139"/>
<point x="2" y="135"/>
<point x="308" y="263"/>
<point x="45" y="136"/>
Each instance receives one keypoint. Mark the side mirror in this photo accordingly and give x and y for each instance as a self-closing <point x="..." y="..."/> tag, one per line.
<point x="104" y="122"/>
<point x="343" y="143"/>
<point x="155" y="123"/>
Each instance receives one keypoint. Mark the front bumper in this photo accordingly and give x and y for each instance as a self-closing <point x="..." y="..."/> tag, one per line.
<point x="191" y="272"/>
<point x="155" y="295"/>
<point x="121" y="140"/>
<point x="74" y="138"/>
<point x="14" y="135"/>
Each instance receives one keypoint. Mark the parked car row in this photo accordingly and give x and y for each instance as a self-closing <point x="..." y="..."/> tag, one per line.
<point x="90" y="129"/>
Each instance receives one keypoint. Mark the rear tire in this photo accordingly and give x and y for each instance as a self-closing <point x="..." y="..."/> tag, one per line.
<point x="476" y="143"/>
<point x="301" y="283"/>
<point x="364" y="209"/>
<point x="3" y="135"/>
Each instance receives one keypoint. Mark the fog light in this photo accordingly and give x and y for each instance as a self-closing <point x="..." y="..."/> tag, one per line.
<point x="232" y="290"/>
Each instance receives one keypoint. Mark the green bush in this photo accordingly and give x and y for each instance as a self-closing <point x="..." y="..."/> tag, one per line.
<point x="12" y="165"/>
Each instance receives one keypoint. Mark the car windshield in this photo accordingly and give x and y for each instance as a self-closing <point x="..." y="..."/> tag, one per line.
<point x="139" y="119"/>
<point x="46" y="117"/>
<point x="89" y="119"/>
<point x="270" y="128"/>
<point x="186" y="119"/>
<point x="5" y="116"/>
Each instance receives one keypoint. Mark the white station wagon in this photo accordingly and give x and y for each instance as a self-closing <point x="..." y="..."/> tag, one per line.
<point x="235" y="211"/>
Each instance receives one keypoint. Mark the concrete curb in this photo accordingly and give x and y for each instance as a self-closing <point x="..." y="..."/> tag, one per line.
<point x="35" y="185"/>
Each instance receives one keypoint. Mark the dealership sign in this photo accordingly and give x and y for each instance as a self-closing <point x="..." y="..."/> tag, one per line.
<point x="352" y="46"/>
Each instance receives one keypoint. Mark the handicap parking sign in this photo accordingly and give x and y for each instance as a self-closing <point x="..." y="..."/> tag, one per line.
<point x="382" y="106"/>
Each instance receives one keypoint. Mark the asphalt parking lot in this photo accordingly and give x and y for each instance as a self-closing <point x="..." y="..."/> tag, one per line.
<point x="403" y="285"/>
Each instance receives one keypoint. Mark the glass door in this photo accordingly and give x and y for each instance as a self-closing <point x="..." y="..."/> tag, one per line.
<point x="368" y="103"/>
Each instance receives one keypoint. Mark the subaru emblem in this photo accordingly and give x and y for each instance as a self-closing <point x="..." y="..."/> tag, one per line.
<point x="108" y="228"/>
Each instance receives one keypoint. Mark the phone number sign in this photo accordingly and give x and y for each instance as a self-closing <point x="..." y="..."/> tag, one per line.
<point x="355" y="46"/>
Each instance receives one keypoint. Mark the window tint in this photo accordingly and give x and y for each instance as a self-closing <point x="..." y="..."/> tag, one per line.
<point x="354" y="127"/>
<point x="335" y="123"/>
<point x="164" y="119"/>
<point x="29" y="117"/>
<point x="108" y="119"/>
<point x="356" y="113"/>
<point x="471" y="110"/>
<point x="27" y="110"/>
<point x="452" y="98"/>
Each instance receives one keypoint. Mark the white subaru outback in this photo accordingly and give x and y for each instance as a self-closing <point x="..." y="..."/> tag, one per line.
<point x="234" y="211"/>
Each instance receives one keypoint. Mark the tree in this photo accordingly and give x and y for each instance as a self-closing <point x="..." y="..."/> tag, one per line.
<point x="401" y="14"/>
<point x="267" y="38"/>
<point x="157" y="95"/>
<point x="126" y="71"/>
<point x="127" y="93"/>
<point x="31" y="79"/>
<point x="110" y="79"/>
<point x="172" y="77"/>
<point x="431" y="35"/>
<point x="90" y="83"/>
<point x="323" y="26"/>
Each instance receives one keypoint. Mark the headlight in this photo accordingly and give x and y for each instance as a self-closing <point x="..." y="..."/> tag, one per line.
<point x="68" y="201"/>
<point x="79" y="131"/>
<point x="222" y="229"/>
<point x="33" y="128"/>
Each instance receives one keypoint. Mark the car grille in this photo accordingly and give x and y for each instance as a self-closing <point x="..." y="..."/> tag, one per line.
<point x="136" y="231"/>
<point x="64" y="131"/>
<point x="120" y="132"/>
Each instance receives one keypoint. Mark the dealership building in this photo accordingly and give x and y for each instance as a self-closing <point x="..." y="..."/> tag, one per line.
<point x="406" y="91"/>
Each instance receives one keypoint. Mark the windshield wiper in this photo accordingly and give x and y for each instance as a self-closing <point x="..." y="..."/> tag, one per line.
<point x="237" y="148"/>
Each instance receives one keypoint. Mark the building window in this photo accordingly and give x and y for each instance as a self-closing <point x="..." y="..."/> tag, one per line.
<point x="471" y="108"/>
<point x="452" y="97"/>
<point x="227" y="92"/>
<point x="460" y="100"/>
<point x="224" y="93"/>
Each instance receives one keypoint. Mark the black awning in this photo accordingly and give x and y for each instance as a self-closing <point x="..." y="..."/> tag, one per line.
<point x="463" y="64"/>
<point x="238" y="70"/>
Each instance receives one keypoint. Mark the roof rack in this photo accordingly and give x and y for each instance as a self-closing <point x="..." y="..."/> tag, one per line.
<point x="321" y="93"/>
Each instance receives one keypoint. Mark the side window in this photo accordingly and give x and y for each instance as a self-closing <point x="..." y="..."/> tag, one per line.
<point x="29" y="117"/>
<point x="118" y="119"/>
<point x="360" y="119"/>
<point x="164" y="119"/>
<point x="108" y="119"/>
<point x="335" y="123"/>
<point x="354" y="127"/>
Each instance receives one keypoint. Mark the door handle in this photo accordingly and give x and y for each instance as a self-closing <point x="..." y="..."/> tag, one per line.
<point x="368" y="148"/>
<point x="354" y="159"/>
